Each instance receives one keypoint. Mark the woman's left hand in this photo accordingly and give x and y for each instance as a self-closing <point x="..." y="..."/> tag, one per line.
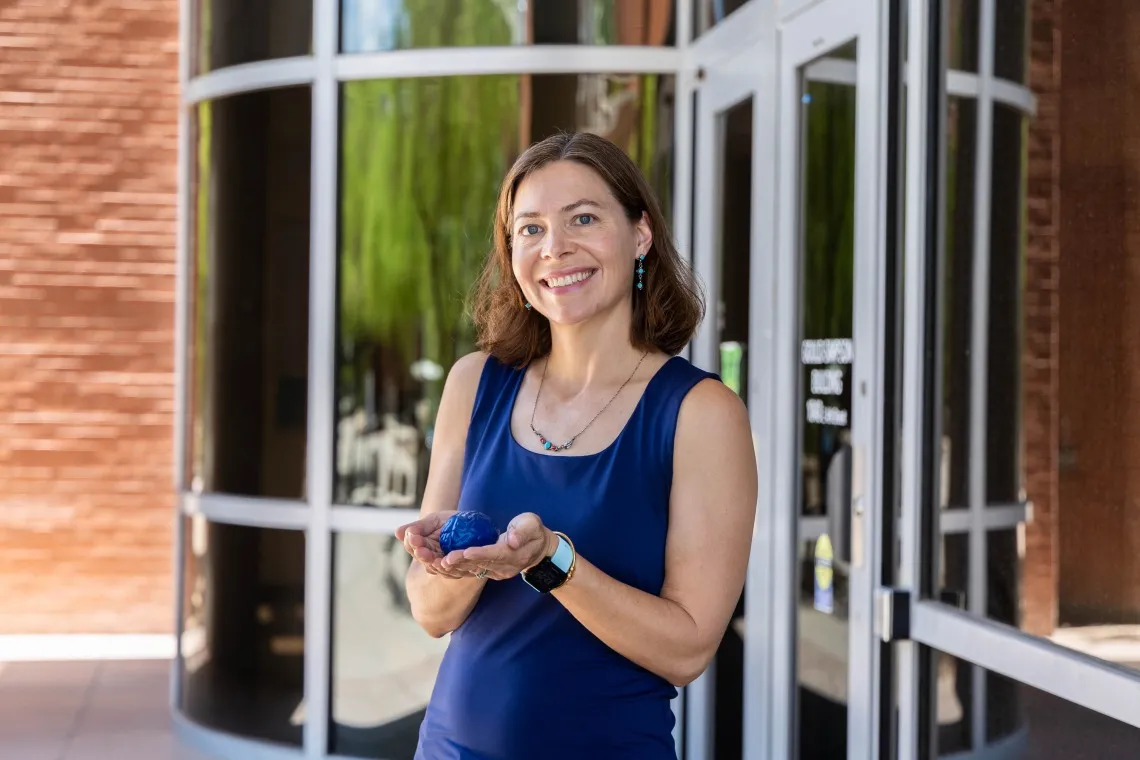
<point x="523" y="545"/>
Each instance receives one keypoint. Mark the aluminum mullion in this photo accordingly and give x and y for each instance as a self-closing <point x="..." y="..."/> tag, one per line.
<point x="684" y="122"/>
<point x="521" y="59"/>
<point x="246" y="510"/>
<point x="909" y="573"/>
<point x="356" y="519"/>
<point x="699" y="695"/>
<point x="979" y="353"/>
<point x="758" y="634"/>
<point x="682" y="225"/>
<point x="181" y="319"/>
<point x="249" y="77"/>
<point x="322" y="370"/>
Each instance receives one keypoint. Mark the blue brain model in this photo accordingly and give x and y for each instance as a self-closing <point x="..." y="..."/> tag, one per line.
<point x="466" y="529"/>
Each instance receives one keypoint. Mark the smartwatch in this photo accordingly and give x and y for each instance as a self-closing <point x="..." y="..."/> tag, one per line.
<point x="555" y="570"/>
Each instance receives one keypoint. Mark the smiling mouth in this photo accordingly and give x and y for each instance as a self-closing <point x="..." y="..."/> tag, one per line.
<point x="569" y="279"/>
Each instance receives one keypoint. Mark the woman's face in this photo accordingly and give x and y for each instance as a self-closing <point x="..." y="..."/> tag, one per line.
<point x="573" y="249"/>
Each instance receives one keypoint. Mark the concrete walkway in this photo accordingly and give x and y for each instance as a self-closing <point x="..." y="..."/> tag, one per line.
<point x="83" y="710"/>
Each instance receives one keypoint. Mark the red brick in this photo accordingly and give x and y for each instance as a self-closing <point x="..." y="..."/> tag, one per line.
<point x="1040" y="358"/>
<point x="89" y="103"/>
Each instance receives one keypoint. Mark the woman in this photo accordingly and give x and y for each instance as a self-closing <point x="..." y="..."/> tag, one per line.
<point x="622" y="477"/>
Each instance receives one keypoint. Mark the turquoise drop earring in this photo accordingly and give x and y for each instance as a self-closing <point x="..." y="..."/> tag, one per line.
<point x="640" y="271"/>
<point x="528" y="305"/>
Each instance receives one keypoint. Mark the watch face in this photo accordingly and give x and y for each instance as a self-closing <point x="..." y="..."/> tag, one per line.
<point x="545" y="576"/>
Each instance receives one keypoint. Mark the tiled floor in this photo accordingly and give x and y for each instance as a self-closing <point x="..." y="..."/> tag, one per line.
<point x="105" y="710"/>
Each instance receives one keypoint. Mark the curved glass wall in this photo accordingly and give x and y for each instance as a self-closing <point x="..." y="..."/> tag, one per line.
<point x="421" y="163"/>
<point x="247" y="368"/>
<point x="418" y="164"/>
<point x="232" y="32"/>
<point x="369" y="26"/>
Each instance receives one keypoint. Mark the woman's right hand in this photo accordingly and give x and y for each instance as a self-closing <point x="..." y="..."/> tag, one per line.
<point x="421" y="541"/>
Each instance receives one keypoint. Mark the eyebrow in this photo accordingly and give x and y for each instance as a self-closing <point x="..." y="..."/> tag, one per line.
<point x="565" y="209"/>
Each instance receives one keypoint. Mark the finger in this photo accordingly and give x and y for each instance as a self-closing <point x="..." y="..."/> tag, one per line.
<point x="441" y="569"/>
<point x="495" y="553"/>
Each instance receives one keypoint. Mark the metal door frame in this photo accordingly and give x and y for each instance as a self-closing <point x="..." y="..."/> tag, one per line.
<point x="724" y="68"/>
<point x="805" y="37"/>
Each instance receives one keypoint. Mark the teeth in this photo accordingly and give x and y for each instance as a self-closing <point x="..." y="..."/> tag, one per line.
<point x="561" y="282"/>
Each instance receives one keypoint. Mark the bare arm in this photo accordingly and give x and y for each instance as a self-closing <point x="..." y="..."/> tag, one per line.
<point x="441" y="599"/>
<point x="711" y="516"/>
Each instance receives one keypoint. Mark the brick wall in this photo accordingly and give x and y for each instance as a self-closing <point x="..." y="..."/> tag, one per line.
<point x="1100" y="367"/>
<point x="88" y="156"/>
<point x="1042" y="311"/>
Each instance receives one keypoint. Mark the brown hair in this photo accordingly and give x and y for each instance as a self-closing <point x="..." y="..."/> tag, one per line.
<point x="665" y="314"/>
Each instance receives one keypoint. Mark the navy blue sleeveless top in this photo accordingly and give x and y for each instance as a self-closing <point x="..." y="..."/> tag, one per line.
<point x="522" y="679"/>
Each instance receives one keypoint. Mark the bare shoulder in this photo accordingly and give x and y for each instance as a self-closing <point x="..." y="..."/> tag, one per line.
<point x="460" y="389"/>
<point x="713" y="448"/>
<point x="465" y="373"/>
<point x="712" y="412"/>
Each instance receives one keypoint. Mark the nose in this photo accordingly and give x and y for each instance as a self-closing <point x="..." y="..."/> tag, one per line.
<point x="556" y="245"/>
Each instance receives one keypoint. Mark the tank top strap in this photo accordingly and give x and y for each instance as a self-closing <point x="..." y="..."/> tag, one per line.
<point x="662" y="406"/>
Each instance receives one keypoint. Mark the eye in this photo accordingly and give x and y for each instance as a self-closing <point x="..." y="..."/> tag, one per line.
<point x="585" y="219"/>
<point x="529" y="229"/>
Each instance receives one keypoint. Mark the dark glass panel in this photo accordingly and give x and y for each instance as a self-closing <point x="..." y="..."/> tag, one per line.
<point x="249" y="309"/>
<point x="243" y="629"/>
<point x="231" y="32"/>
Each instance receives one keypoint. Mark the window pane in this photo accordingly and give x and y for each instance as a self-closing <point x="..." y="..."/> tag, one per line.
<point x="826" y="164"/>
<point x="243" y="629"/>
<point x="383" y="664"/>
<point x="709" y="13"/>
<point x="1059" y="371"/>
<point x="957" y="298"/>
<point x="733" y="252"/>
<point x="963" y="22"/>
<point x="421" y="161"/>
<point x="380" y="25"/>
<point x="249" y="310"/>
<point x="1011" y="35"/>
<point x="230" y="32"/>
<point x="1007" y="260"/>
<point x="1017" y="721"/>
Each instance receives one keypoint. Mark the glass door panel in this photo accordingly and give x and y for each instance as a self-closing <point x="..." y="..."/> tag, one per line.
<point x="826" y="289"/>
<point x="723" y="251"/>
<point x="827" y="319"/>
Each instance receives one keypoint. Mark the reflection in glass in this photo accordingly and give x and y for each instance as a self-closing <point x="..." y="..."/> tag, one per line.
<point x="1020" y="722"/>
<point x="996" y="574"/>
<point x="1011" y="38"/>
<point x="958" y="272"/>
<point x="827" y="230"/>
<point x="249" y="283"/>
<point x="383" y="664"/>
<point x="243" y="629"/>
<point x="230" y="32"/>
<point x="380" y="25"/>
<point x="1007" y="260"/>
<point x="963" y="22"/>
<point x="422" y="160"/>
<point x="734" y="261"/>
<point x="709" y="13"/>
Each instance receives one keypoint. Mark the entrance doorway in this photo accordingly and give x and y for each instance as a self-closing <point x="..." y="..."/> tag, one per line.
<point x="785" y="242"/>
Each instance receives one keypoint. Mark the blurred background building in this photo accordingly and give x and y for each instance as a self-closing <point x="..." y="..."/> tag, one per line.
<point x="236" y="239"/>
